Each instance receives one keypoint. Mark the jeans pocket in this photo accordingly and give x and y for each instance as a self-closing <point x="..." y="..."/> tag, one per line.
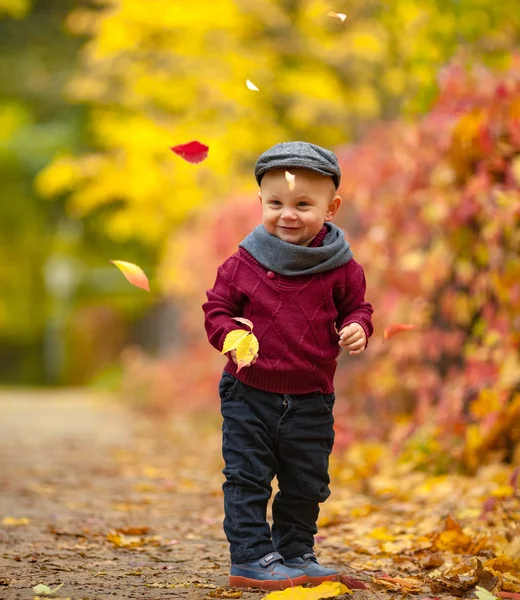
<point x="328" y="401"/>
<point x="227" y="386"/>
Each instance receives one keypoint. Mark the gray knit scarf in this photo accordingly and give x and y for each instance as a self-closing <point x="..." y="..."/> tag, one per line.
<point x="290" y="259"/>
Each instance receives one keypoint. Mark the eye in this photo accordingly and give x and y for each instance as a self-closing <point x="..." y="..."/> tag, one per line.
<point x="303" y="203"/>
<point x="275" y="202"/>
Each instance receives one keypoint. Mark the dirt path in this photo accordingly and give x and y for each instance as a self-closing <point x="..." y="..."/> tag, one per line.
<point x="114" y="505"/>
<point x="78" y="467"/>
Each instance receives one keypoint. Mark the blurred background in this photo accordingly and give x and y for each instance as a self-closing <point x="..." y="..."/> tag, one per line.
<point x="421" y="103"/>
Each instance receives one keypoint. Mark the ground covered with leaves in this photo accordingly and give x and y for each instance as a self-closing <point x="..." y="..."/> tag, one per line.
<point x="113" y="505"/>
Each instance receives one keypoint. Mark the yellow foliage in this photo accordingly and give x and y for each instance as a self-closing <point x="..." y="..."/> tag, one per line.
<point x="156" y="82"/>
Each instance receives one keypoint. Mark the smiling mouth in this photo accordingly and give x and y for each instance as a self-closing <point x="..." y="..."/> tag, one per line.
<point x="290" y="228"/>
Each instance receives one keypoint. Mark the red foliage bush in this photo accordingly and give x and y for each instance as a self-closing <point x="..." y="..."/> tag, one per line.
<point x="432" y="210"/>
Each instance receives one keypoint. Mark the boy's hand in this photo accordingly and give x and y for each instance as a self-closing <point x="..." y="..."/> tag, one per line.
<point x="234" y="358"/>
<point x="353" y="338"/>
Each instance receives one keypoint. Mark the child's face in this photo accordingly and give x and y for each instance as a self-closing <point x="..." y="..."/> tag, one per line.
<point x="297" y="215"/>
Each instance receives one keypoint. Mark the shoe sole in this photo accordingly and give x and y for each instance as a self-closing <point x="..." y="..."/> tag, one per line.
<point x="318" y="580"/>
<point x="266" y="584"/>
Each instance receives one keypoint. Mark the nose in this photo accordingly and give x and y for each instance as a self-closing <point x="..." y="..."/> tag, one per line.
<point x="288" y="214"/>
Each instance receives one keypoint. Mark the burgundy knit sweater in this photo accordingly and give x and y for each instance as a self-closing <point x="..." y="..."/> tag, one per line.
<point x="295" y="320"/>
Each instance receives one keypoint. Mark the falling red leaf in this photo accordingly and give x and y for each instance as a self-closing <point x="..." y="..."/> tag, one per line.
<point x="133" y="274"/>
<point x="396" y="328"/>
<point x="193" y="152"/>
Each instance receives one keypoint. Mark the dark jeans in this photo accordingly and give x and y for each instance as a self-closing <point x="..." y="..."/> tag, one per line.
<point x="263" y="435"/>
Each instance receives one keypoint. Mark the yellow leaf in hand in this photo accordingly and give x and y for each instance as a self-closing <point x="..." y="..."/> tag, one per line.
<point x="244" y="342"/>
<point x="247" y="350"/>
<point x="233" y="338"/>
<point x="133" y="274"/>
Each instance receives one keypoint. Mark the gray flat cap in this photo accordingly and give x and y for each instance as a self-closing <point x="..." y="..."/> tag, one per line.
<point x="301" y="155"/>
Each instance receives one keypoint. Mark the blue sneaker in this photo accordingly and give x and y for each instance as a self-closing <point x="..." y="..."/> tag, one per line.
<point x="308" y="563"/>
<point x="267" y="573"/>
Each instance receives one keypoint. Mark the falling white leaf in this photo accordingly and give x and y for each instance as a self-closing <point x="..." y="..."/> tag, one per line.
<point x="340" y="16"/>
<point x="251" y="86"/>
<point x="291" y="180"/>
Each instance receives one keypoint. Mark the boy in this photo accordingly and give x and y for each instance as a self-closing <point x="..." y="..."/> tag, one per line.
<point x="294" y="277"/>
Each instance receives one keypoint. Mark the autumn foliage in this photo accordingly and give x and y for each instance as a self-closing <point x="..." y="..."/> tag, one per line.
<point x="433" y="214"/>
<point x="432" y="211"/>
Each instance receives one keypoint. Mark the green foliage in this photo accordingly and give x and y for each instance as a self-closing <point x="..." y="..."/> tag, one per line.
<point x="37" y="123"/>
<point x="17" y="9"/>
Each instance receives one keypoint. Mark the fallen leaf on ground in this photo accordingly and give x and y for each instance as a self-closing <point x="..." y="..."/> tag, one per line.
<point x="225" y="593"/>
<point x="45" y="590"/>
<point x="15" y="522"/>
<point x="327" y="589"/>
<point x="133" y="530"/>
<point x="408" y="584"/>
<point x="483" y="594"/>
<point x="122" y="541"/>
<point x="352" y="583"/>
<point x="193" y="152"/>
<point x="133" y="274"/>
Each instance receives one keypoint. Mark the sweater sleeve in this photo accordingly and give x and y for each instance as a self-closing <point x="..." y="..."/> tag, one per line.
<point x="352" y="307"/>
<point x="224" y="302"/>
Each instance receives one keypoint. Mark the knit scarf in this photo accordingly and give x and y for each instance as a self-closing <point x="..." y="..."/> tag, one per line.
<point x="290" y="259"/>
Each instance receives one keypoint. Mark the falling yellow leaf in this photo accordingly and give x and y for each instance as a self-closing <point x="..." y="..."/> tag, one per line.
<point x="327" y="589"/>
<point x="340" y="16"/>
<point x="251" y="86"/>
<point x="291" y="180"/>
<point x="133" y="274"/>
<point x="14" y="522"/>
